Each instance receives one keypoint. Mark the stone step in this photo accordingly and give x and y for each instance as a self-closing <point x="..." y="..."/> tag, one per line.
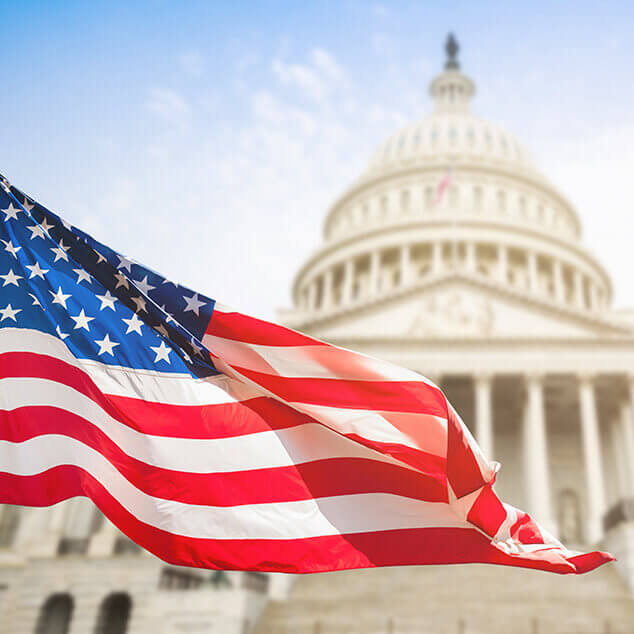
<point x="453" y="600"/>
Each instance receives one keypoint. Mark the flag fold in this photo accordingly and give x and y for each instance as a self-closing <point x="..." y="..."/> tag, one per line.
<point x="218" y="440"/>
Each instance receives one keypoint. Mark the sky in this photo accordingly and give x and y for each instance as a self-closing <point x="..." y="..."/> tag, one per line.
<point x="208" y="139"/>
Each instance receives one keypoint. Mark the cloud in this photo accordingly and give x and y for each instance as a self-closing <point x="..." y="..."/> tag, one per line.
<point x="191" y="62"/>
<point x="168" y="105"/>
<point x="314" y="79"/>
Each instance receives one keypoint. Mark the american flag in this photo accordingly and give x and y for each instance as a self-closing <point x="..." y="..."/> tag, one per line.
<point x="217" y="440"/>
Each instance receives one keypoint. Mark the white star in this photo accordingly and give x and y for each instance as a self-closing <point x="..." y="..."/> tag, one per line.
<point x="9" y="313"/>
<point x="162" y="352"/>
<point x="143" y="286"/>
<point x="59" y="297"/>
<point x="81" y="321"/>
<point x="107" y="301"/>
<point x="82" y="275"/>
<point x="105" y="345"/>
<point x="27" y="205"/>
<point x="36" y="270"/>
<point x="125" y="263"/>
<point x="134" y="324"/>
<point x="187" y="357"/>
<point x="193" y="303"/>
<point x="196" y="349"/>
<point x="170" y="282"/>
<point x="140" y="304"/>
<point x="11" y="278"/>
<point x="67" y="224"/>
<point x="11" y="212"/>
<point x="36" y="231"/>
<point x="40" y="230"/>
<point x="60" y="252"/>
<point x="122" y="280"/>
<point x="8" y="246"/>
<point x="162" y="330"/>
<point x="169" y="317"/>
<point x="5" y="185"/>
<point x="100" y="257"/>
<point x="60" y="334"/>
<point x="36" y="301"/>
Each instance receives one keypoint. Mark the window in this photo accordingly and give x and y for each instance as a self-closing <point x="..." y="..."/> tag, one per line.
<point x="417" y="139"/>
<point x="452" y="136"/>
<point x="502" y="201"/>
<point x="434" y="136"/>
<point x="114" y="614"/>
<point x="477" y="198"/>
<point x="429" y="197"/>
<point x="405" y="200"/>
<point x="522" y="206"/>
<point x="55" y="615"/>
<point x="9" y="520"/>
<point x="470" y="137"/>
<point x="383" y="205"/>
<point x="453" y="196"/>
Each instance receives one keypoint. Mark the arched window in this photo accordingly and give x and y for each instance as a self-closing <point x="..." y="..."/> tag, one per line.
<point x="405" y="200"/>
<point x="9" y="518"/>
<point x="55" y="615"/>
<point x="569" y="516"/>
<point x="477" y="198"/>
<point x="114" y="614"/>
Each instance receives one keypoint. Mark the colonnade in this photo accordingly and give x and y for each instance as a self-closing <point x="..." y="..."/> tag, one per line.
<point x="536" y="474"/>
<point x="368" y="275"/>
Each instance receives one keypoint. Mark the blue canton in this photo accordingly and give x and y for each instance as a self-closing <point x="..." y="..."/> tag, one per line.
<point x="104" y="306"/>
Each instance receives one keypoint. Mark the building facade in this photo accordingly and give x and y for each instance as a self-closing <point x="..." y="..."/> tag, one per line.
<point x="452" y="255"/>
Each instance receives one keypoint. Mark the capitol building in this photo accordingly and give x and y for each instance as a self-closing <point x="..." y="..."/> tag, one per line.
<point x="454" y="256"/>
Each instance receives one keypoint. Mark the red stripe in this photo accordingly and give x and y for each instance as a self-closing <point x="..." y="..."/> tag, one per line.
<point x="160" y="419"/>
<point x="256" y="331"/>
<point x="463" y="471"/>
<point x="393" y="396"/>
<point x="320" y="478"/>
<point x="197" y="421"/>
<point x="316" y="554"/>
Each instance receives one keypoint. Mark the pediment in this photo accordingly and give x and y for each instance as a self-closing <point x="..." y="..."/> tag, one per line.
<point x="457" y="306"/>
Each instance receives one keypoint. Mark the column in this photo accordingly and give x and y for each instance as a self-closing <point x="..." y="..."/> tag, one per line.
<point x="502" y="264"/>
<point x="578" y="289"/>
<point x="627" y="430"/>
<point x="375" y="272"/>
<point x="592" y="457"/>
<point x="103" y="541"/>
<point x="483" y="415"/>
<point x="558" y="281"/>
<point x="536" y="469"/>
<point x="620" y="462"/>
<point x="312" y="295"/>
<point x="531" y="263"/>
<point x="470" y="257"/>
<point x="405" y="265"/>
<point x="594" y="295"/>
<point x="348" y="281"/>
<point x="326" y="291"/>
<point x="436" y="257"/>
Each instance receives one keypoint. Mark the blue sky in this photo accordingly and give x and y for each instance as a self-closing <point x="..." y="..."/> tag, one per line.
<point x="208" y="139"/>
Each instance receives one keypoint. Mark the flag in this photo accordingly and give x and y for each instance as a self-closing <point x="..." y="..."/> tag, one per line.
<point x="217" y="440"/>
<point x="442" y="185"/>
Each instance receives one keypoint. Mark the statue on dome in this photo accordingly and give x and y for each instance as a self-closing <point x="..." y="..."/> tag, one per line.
<point x="451" y="48"/>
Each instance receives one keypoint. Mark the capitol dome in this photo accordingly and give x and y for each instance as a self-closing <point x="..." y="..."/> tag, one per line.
<point x="450" y="195"/>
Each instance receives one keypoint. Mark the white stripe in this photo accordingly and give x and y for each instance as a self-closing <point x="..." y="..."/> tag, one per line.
<point x="373" y="426"/>
<point x="262" y="450"/>
<point x="368" y="424"/>
<point x="316" y="361"/>
<point x="149" y="385"/>
<point x="288" y="520"/>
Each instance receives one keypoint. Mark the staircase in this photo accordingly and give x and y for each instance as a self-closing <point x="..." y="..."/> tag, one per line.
<point x="473" y="599"/>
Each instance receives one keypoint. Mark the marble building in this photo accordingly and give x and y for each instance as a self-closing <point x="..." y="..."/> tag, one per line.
<point x="452" y="255"/>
